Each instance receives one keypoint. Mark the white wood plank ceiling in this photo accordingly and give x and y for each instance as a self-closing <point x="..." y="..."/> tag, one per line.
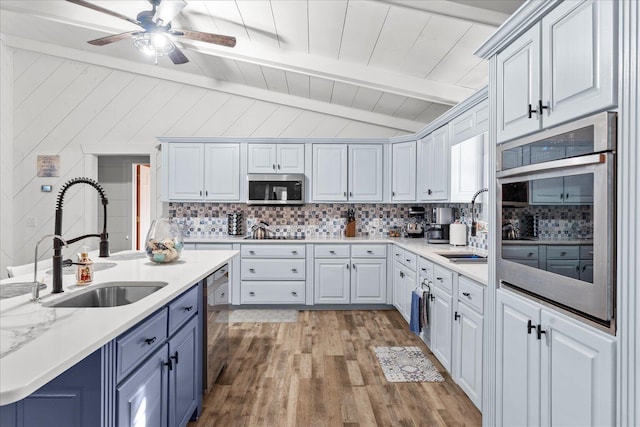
<point x="402" y="63"/>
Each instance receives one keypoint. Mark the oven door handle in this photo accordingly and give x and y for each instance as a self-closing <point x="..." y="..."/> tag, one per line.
<point x="591" y="159"/>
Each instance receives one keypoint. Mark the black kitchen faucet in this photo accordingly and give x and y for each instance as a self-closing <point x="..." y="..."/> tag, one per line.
<point x="57" y="244"/>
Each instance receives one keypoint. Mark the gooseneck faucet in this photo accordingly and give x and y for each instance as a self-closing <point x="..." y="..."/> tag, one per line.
<point x="474" y="225"/>
<point x="57" y="245"/>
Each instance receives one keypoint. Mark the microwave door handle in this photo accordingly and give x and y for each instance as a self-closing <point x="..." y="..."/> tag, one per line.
<point x="591" y="159"/>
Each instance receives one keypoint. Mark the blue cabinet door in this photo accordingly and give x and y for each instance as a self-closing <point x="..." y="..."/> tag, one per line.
<point x="142" y="398"/>
<point x="184" y="393"/>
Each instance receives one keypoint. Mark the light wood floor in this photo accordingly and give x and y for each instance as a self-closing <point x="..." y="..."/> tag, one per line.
<point x="322" y="371"/>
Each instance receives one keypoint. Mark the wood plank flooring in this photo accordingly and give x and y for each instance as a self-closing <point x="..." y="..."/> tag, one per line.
<point x="321" y="371"/>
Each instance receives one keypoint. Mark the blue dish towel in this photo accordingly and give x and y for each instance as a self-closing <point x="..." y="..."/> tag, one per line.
<point x="414" y="321"/>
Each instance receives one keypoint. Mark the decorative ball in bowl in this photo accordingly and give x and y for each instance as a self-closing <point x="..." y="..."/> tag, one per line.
<point x="164" y="241"/>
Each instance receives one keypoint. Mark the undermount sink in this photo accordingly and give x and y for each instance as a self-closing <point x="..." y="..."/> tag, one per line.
<point x="109" y="294"/>
<point x="463" y="257"/>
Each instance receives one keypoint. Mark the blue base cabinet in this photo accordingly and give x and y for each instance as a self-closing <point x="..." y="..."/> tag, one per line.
<point x="150" y="375"/>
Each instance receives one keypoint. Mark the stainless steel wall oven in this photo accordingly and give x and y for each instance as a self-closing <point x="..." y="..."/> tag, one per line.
<point x="566" y="253"/>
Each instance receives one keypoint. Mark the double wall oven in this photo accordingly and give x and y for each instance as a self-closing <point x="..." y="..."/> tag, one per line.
<point x="558" y="189"/>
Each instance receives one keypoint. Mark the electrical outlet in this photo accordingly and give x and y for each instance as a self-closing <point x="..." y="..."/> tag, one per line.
<point x="31" y="221"/>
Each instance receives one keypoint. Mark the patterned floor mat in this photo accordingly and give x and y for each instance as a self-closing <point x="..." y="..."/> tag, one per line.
<point x="406" y="365"/>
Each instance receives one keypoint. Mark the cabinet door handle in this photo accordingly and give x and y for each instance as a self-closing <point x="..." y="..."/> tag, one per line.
<point x="278" y="166"/>
<point x="439" y="279"/>
<point x="201" y="192"/>
<point x="393" y="193"/>
<point x="456" y="316"/>
<point x="251" y="270"/>
<point x="169" y="364"/>
<point x="563" y="253"/>
<point x="408" y="260"/>
<point x="530" y="254"/>
<point x="150" y="341"/>
<point x="423" y="269"/>
<point x="397" y="254"/>
<point x="175" y="357"/>
<point x="401" y="274"/>
<point x="466" y="294"/>
<point x="540" y="331"/>
<point x="541" y="107"/>
<point x="344" y="194"/>
<point x="531" y="110"/>
<point x="294" y="252"/>
<point x="566" y="196"/>
<point x="429" y="192"/>
<point x="252" y="252"/>
<point x="222" y="295"/>
<point x="252" y="294"/>
<point x="584" y="267"/>
<point x="561" y="196"/>
<point x="294" y="270"/>
<point x="432" y="297"/>
<point x="206" y="192"/>
<point x="350" y="193"/>
<point x="578" y="268"/>
<point x="273" y="166"/>
<point x="353" y="266"/>
<point x="332" y="252"/>
<point x="370" y="252"/>
<point x="188" y="308"/>
<point x="294" y="293"/>
<point x="530" y="327"/>
<point x="347" y="266"/>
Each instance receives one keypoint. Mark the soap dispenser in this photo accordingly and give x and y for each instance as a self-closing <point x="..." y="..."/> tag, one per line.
<point x="84" y="273"/>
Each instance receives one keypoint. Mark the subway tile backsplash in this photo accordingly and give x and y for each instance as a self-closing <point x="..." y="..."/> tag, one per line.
<point x="312" y="219"/>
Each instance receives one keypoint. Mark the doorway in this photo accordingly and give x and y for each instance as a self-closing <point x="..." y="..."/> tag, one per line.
<point x="126" y="181"/>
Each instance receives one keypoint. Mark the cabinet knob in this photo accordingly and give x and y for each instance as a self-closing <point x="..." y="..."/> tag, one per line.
<point x="150" y="341"/>
<point x="294" y="252"/>
<point x="393" y="193"/>
<point x="201" y="192"/>
<point x="578" y="268"/>
<point x="423" y="269"/>
<point x="252" y="252"/>
<point x="332" y="252"/>
<point x="439" y="279"/>
<point x="251" y="270"/>
<point x="252" y="294"/>
<point x="222" y="294"/>
<point x="206" y="192"/>
<point x="566" y="196"/>
<point x="530" y="254"/>
<point x="408" y="260"/>
<point x="584" y="267"/>
<point x="294" y="270"/>
<point x="294" y="293"/>
<point x="563" y="253"/>
<point x="369" y="252"/>
<point x="401" y="274"/>
<point x="561" y="196"/>
<point x="466" y="294"/>
<point x="188" y="308"/>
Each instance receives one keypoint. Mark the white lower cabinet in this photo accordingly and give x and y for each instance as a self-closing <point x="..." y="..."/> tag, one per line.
<point x="551" y="369"/>
<point x="441" y="328"/>
<point x="350" y="275"/>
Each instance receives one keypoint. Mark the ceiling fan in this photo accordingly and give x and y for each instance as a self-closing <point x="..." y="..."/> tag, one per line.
<point x="155" y="39"/>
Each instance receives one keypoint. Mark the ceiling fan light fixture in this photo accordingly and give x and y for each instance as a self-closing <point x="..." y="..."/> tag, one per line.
<point x="153" y="44"/>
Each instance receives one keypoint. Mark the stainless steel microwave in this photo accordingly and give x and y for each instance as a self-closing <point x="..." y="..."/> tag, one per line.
<point x="275" y="189"/>
<point x="564" y="178"/>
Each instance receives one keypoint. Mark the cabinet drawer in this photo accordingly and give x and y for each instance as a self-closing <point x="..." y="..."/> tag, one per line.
<point x="272" y="251"/>
<point x="369" y="251"/>
<point x="331" y="251"/>
<point x="562" y="252"/>
<point x="443" y="278"/>
<point x="471" y="293"/>
<point x="138" y="342"/>
<point x="221" y="295"/>
<point x="398" y="254"/>
<point x="425" y="268"/>
<point x="256" y="292"/>
<point x="520" y="252"/>
<point x="410" y="260"/>
<point x="182" y="308"/>
<point x="272" y="269"/>
<point x="586" y="252"/>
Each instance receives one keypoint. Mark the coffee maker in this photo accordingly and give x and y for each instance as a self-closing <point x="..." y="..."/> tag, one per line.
<point x="438" y="231"/>
<point x="415" y="225"/>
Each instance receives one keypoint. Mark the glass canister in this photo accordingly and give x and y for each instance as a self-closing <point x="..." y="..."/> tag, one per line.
<point x="164" y="240"/>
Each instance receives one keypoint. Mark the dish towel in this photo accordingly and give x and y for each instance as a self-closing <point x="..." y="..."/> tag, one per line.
<point x="414" y="319"/>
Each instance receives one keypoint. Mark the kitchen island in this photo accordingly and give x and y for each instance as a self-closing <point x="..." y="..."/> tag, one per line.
<point x="38" y="343"/>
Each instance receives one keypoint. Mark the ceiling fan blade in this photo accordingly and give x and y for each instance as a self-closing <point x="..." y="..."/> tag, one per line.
<point x="103" y="10"/>
<point x="110" y="39"/>
<point x="167" y="10"/>
<point x="206" y="37"/>
<point x="177" y="56"/>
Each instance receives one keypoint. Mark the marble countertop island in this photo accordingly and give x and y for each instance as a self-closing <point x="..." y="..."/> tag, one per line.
<point x="38" y="343"/>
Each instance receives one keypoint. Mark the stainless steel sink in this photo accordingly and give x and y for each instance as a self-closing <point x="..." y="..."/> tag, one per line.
<point x="109" y="294"/>
<point x="463" y="257"/>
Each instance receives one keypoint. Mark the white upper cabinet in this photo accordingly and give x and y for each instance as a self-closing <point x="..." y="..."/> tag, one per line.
<point x="562" y="68"/>
<point x="470" y="123"/>
<point x="347" y="172"/>
<point x="433" y="166"/>
<point x="222" y="172"/>
<point x="329" y="176"/>
<point x="365" y="173"/>
<point x="185" y="171"/>
<point x="202" y="172"/>
<point x="275" y="158"/>
<point x="403" y="183"/>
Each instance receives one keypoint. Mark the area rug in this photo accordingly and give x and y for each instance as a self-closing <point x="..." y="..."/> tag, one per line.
<point x="263" y="316"/>
<point x="406" y="365"/>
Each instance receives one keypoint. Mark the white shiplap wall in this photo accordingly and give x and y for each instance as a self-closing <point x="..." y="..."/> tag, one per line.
<point x="59" y="105"/>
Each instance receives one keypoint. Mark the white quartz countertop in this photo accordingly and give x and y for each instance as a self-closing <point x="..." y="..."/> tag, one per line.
<point x="419" y="246"/>
<point x="38" y="343"/>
